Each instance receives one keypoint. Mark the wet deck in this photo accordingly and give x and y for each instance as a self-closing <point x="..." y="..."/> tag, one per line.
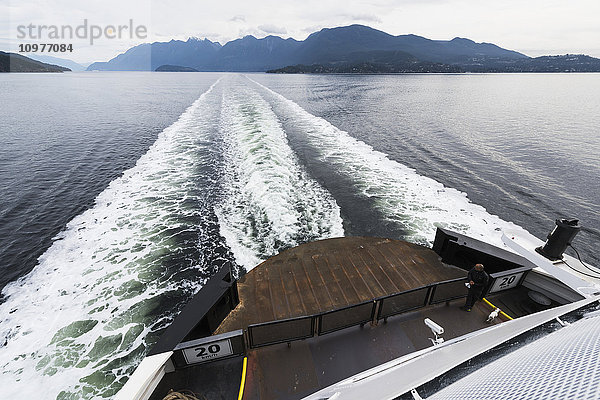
<point x="330" y="274"/>
<point x="291" y="373"/>
<point x="282" y="372"/>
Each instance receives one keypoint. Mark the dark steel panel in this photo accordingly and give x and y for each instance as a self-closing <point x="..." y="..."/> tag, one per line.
<point x="448" y="290"/>
<point x="281" y="331"/>
<point x="346" y="317"/>
<point x="403" y="302"/>
<point x="464" y="252"/>
<point x="203" y="314"/>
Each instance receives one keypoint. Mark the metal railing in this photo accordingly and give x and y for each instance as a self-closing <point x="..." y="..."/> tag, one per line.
<point x="403" y="302"/>
<point x="448" y="290"/>
<point x="282" y="331"/>
<point x="291" y="329"/>
<point x="357" y="314"/>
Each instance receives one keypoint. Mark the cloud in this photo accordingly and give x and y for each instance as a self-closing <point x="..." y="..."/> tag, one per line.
<point x="364" y="17"/>
<point x="248" y="31"/>
<point x="515" y="24"/>
<point x="273" y="29"/>
<point x="312" y="28"/>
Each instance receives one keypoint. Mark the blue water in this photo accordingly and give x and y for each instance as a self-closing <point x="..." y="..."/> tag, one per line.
<point x="122" y="192"/>
<point x="524" y="146"/>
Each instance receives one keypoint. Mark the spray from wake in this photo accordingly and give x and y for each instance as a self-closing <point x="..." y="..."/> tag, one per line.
<point x="271" y="202"/>
<point x="414" y="202"/>
<point x="222" y="177"/>
<point x="78" y="324"/>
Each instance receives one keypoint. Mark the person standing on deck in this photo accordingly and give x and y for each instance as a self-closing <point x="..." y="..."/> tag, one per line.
<point x="478" y="280"/>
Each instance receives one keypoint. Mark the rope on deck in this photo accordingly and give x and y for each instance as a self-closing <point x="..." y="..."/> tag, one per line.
<point x="179" y="396"/>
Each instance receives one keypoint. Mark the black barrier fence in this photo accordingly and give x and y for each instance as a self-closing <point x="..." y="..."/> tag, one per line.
<point x="281" y="331"/>
<point x="346" y="317"/>
<point x="448" y="290"/>
<point x="288" y="330"/>
<point x="403" y="302"/>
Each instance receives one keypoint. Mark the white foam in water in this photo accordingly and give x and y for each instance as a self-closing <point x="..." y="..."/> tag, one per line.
<point x="66" y="324"/>
<point x="74" y="328"/>
<point x="271" y="203"/>
<point x="417" y="203"/>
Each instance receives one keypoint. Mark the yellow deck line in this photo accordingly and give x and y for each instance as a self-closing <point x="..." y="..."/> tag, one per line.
<point x="243" y="382"/>
<point x="494" y="307"/>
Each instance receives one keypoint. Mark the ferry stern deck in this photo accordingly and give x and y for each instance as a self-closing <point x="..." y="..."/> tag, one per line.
<point x="362" y="301"/>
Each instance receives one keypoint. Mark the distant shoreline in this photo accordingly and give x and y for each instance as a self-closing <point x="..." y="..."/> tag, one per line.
<point x="545" y="64"/>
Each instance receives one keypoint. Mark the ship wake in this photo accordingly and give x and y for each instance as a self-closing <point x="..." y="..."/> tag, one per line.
<point x="224" y="185"/>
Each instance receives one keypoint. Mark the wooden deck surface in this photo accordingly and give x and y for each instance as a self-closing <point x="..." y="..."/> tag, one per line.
<point x="330" y="274"/>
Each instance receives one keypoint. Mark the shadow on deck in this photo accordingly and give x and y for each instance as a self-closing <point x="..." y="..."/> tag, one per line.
<point x="282" y="372"/>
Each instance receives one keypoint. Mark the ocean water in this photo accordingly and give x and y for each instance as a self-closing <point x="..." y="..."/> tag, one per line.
<point x="121" y="193"/>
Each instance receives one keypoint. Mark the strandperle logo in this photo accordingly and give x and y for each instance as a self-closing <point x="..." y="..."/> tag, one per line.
<point x="84" y="31"/>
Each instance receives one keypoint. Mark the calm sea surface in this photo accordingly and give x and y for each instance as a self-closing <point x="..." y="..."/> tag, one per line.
<point x="120" y="193"/>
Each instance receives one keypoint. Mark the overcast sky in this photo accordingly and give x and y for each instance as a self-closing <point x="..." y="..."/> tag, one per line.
<point x="533" y="27"/>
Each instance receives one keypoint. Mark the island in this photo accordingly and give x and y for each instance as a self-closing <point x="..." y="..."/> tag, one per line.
<point x="367" y="68"/>
<point x="175" y="68"/>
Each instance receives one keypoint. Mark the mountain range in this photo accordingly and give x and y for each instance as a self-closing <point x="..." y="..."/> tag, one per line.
<point x="332" y="46"/>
